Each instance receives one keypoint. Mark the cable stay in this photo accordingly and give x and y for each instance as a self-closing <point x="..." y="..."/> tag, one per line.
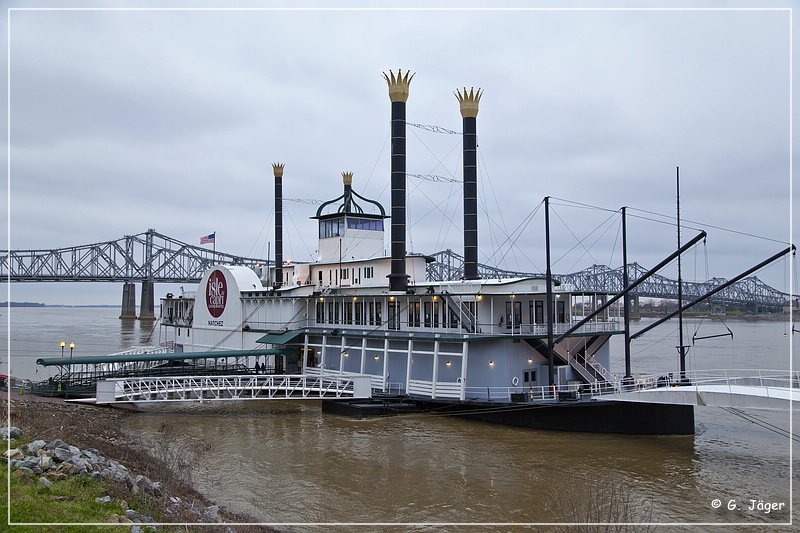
<point x="433" y="177"/>
<point x="766" y="425"/>
<point x="433" y="129"/>
<point x="309" y="201"/>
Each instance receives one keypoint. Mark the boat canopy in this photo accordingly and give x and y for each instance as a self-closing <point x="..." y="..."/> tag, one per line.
<point x="142" y="357"/>
<point x="280" y="337"/>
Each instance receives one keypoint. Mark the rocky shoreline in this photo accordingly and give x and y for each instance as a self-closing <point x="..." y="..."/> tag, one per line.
<point x="65" y="440"/>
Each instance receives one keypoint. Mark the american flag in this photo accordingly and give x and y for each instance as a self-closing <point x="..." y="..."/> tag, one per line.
<point x="208" y="239"/>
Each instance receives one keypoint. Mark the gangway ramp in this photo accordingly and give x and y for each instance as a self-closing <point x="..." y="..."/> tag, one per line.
<point x="740" y="389"/>
<point x="233" y="387"/>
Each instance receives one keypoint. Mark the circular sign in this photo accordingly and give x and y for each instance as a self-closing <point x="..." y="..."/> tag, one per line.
<point x="216" y="293"/>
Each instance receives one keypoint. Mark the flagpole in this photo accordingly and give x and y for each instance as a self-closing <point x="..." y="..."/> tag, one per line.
<point x="215" y="241"/>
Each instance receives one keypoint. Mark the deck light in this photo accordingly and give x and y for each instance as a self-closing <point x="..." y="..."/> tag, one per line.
<point x="376" y="357"/>
<point x="346" y="354"/>
<point x="448" y="363"/>
<point x="480" y="297"/>
<point x="491" y="363"/>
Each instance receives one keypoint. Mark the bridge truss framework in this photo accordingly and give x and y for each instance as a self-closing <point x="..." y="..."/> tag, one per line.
<point x="153" y="257"/>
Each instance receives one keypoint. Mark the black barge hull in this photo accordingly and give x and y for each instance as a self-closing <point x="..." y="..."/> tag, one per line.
<point x="596" y="416"/>
<point x="590" y="416"/>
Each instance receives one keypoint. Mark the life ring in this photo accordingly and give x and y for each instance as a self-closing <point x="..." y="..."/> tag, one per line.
<point x="515" y="381"/>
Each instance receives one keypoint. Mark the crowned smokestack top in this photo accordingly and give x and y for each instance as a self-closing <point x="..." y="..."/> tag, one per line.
<point x="347" y="178"/>
<point x="398" y="85"/>
<point x="469" y="101"/>
<point x="398" y="94"/>
<point x="469" y="111"/>
<point x="277" y="170"/>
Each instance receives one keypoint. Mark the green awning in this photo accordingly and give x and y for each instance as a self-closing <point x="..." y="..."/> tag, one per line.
<point x="276" y="337"/>
<point x="142" y="357"/>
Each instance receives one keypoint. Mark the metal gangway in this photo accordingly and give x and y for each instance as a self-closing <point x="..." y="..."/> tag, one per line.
<point x="744" y="389"/>
<point x="232" y="387"/>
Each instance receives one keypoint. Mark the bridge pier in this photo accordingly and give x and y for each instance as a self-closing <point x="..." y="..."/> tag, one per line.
<point x="128" y="301"/>
<point x="635" y="310"/>
<point x="146" y="310"/>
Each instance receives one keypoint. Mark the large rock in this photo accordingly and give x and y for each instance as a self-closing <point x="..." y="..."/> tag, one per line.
<point x="45" y="462"/>
<point x="81" y="465"/>
<point x="35" y="446"/>
<point x="61" y="454"/>
<point x="56" y="443"/>
<point x="14" y="453"/>
<point x="10" y="433"/>
<point x="44" y="482"/>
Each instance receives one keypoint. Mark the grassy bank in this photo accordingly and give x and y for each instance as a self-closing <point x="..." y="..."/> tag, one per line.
<point x="72" y="500"/>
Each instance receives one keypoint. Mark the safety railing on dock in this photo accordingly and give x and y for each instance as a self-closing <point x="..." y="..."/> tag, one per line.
<point x="232" y="387"/>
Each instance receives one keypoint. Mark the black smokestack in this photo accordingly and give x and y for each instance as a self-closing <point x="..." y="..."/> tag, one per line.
<point x="277" y="169"/>
<point x="469" y="111"/>
<point x="398" y="94"/>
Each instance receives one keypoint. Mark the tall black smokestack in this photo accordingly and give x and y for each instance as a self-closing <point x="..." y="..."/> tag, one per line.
<point x="398" y="94"/>
<point x="469" y="111"/>
<point x="277" y="169"/>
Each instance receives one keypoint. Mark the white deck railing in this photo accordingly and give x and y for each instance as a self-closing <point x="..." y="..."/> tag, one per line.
<point x="235" y="387"/>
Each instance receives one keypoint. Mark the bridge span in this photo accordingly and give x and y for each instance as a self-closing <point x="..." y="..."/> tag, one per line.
<point x="152" y="257"/>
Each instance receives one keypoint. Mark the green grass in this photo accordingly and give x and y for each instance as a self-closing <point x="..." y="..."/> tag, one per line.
<point x="70" y="501"/>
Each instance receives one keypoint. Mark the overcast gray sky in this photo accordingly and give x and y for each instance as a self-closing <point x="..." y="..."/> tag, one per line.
<point x="126" y="120"/>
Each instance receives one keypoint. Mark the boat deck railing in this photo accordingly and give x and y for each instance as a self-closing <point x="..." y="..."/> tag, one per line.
<point x="730" y="379"/>
<point x="230" y="387"/>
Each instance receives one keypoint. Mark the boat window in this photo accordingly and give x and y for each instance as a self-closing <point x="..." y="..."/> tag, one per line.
<point x="333" y="227"/>
<point x="359" y="313"/>
<point x="413" y="314"/>
<point x="562" y="317"/>
<point x="428" y="307"/>
<point x="365" y="224"/>
<point x="394" y="316"/>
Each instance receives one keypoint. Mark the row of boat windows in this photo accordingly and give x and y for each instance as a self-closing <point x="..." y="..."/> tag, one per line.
<point x="428" y="314"/>
<point x="420" y="314"/>
<point x="356" y="274"/>
<point x="335" y="227"/>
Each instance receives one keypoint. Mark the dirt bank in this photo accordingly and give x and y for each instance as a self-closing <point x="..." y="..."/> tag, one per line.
<point x="102" y="428"/>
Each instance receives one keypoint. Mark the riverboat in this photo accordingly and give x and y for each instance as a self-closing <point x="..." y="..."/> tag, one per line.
<point x="524" y="351"/>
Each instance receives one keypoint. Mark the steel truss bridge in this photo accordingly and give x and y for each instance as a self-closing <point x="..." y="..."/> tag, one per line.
<point x="153" y="257"/>
<point x="749" y="292"/>
<point x="148" y="256"/>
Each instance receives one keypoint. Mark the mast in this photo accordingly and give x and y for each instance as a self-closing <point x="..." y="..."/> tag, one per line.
<point x="681" y="347"/>
<point x="549" y="282"/>
<point x="626" y="308"/>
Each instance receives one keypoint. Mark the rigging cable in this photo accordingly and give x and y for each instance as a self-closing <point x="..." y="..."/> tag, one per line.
<point x="766" y="425"/>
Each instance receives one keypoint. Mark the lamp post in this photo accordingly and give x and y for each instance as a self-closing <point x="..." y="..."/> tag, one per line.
<point x="71" y="347"/>
<point x="62" y="349"/>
